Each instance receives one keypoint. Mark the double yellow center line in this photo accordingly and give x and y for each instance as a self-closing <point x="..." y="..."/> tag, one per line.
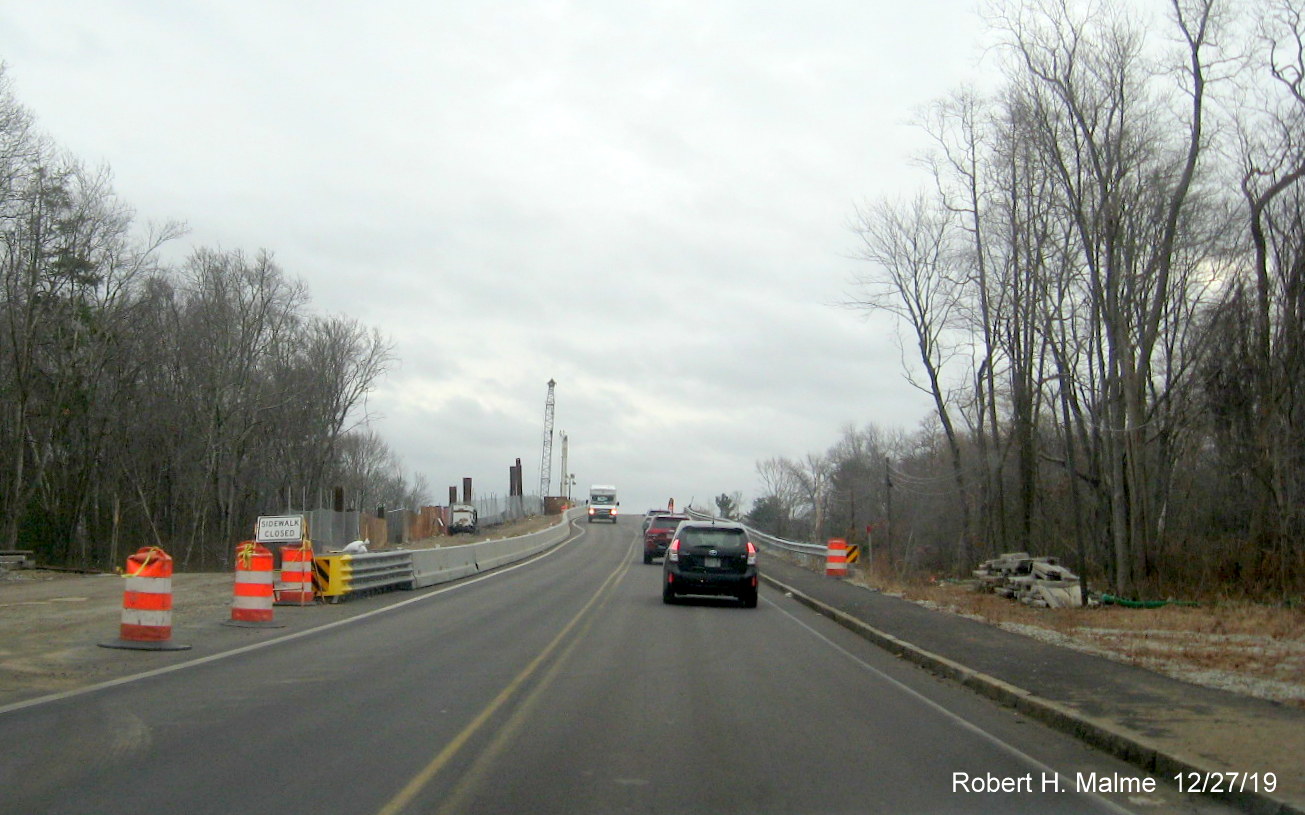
<point x="419" y="782"/>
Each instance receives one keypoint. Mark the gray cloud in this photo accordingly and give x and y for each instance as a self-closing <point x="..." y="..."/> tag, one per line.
<point x="646" y="202"/>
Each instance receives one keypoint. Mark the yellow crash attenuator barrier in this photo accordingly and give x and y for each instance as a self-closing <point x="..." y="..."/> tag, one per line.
<point x="332" y="575"/>
<point x="336" y="575"/>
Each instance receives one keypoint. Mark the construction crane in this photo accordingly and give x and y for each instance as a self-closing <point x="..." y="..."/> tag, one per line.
<point x="546" y="458"/>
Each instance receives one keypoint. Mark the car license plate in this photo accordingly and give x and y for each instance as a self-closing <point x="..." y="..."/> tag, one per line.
<point x="712" y="562"/>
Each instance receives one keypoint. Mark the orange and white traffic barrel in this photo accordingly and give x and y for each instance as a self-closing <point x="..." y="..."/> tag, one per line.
<point x="836" y="558"/>
<point x="147" y="603"/>
<point x="296" y="585"/>
<point x="251" y="603"/>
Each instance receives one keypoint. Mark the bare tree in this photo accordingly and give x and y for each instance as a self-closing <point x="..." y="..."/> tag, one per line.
<point x="141" y="402"/>
<point x="1272" y="140"/>
<point x="1127" y="187"/>
<point x="336" y="363"/>
<point x="912" y="252"/>
<point x="779" y="499"/>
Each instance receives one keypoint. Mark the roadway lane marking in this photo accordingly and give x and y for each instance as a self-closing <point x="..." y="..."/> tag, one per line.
<point x="578" y="531"/>
<point x="441" y="759"/>
<point x="469" y="781"/>
<point x="957" y="719"/>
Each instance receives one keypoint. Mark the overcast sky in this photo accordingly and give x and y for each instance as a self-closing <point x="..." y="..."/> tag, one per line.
<point x="646" y="202"/>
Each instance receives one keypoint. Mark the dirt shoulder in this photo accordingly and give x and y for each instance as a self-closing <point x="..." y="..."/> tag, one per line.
<point x="51" y="623"/>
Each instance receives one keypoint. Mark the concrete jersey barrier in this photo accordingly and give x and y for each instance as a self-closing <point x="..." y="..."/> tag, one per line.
<point x="433" y="566"/>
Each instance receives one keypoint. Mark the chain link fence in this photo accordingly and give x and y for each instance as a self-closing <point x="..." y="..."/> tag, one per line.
<point x="332" y="530"/>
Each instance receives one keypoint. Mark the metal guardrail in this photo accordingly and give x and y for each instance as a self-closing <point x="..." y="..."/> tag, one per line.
<point x="813" y="549"/>
<point x="379" y="570"/>
<point x="337" y="575"/>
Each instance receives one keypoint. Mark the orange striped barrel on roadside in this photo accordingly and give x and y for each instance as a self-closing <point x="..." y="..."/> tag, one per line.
<point x="146" y="623"/>
<point x="296" y="585"/>
<point x="251" y="602"/>
<point x="836" y="558"/>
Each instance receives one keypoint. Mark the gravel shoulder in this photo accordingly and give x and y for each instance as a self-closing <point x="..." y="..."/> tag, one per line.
<point x="51" y="623"/>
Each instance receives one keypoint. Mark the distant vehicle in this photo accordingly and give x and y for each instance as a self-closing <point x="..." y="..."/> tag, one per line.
<point x="661" y="528"/>
<point x="602" y="503"/>
<point x="713" y="558"/>
<point x="462" y="518"/>
<point x="650" y="514"/>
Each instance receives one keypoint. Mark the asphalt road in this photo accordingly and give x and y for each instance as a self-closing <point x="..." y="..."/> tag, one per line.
<point x="559" y="685"/>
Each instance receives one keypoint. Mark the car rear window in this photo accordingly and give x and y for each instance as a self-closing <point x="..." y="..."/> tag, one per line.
<point x="666" y="522"/>
<point x="724" y="540"/>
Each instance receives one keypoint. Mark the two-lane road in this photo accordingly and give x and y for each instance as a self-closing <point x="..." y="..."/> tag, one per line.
<point x="560" y="685"/>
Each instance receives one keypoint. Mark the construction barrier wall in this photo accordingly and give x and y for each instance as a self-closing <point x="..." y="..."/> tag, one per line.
<point x="434" y="566"/>
<point x="336" y="575"/>
<point x="492" y="554"/>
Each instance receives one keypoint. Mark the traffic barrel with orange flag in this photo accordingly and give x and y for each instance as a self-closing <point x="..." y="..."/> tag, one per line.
<point x="252" y="597"/>
<point x="147" y="603"/>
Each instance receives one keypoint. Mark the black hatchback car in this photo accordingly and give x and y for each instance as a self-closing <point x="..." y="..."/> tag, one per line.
<point x="710" y="557"/>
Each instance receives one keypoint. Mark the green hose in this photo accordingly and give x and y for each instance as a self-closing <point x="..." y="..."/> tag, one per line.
<point x="1112" y="600"/>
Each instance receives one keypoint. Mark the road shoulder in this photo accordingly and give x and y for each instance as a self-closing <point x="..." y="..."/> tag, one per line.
<point x="1160" y="724"/>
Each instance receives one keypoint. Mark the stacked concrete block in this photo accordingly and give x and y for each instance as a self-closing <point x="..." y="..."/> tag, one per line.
<point x="1034" y="581"/>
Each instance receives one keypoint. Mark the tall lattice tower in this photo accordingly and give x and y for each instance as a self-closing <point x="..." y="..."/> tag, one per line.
<point x="546" y="458"/>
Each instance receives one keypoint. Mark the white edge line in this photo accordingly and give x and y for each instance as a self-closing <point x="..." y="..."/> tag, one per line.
<point x="956" y="718"/>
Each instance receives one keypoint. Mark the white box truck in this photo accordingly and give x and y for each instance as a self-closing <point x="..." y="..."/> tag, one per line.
<point x="602" y="503"/>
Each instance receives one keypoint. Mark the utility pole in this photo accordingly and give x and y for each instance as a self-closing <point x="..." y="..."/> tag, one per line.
<point x="546" y="458"/>
<point x="888" y="507"/>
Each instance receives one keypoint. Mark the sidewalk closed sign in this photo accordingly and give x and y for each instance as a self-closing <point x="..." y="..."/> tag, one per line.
<point x="280" y="528"/>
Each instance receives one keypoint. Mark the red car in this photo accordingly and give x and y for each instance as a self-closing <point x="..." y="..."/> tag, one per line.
<point x="658" y="535"/>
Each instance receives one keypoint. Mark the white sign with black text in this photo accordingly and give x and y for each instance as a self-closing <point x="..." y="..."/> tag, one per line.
<point x="280" y="528"/>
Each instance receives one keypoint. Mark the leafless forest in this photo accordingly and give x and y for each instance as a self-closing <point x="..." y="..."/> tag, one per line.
<point x="146" y="402"/>
<point x="1101" y="285"/>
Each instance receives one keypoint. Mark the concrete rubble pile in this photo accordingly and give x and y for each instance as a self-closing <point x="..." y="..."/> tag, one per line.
<point x="16" y="559"/>
<point x="1034" y="581"/>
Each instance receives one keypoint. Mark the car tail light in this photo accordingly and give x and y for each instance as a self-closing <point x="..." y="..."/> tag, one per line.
<point x="752" y="554"/>
<point x="673" y="553"/>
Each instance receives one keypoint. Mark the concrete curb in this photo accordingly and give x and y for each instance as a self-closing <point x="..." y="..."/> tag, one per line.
<point x="1127" y="746"/>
